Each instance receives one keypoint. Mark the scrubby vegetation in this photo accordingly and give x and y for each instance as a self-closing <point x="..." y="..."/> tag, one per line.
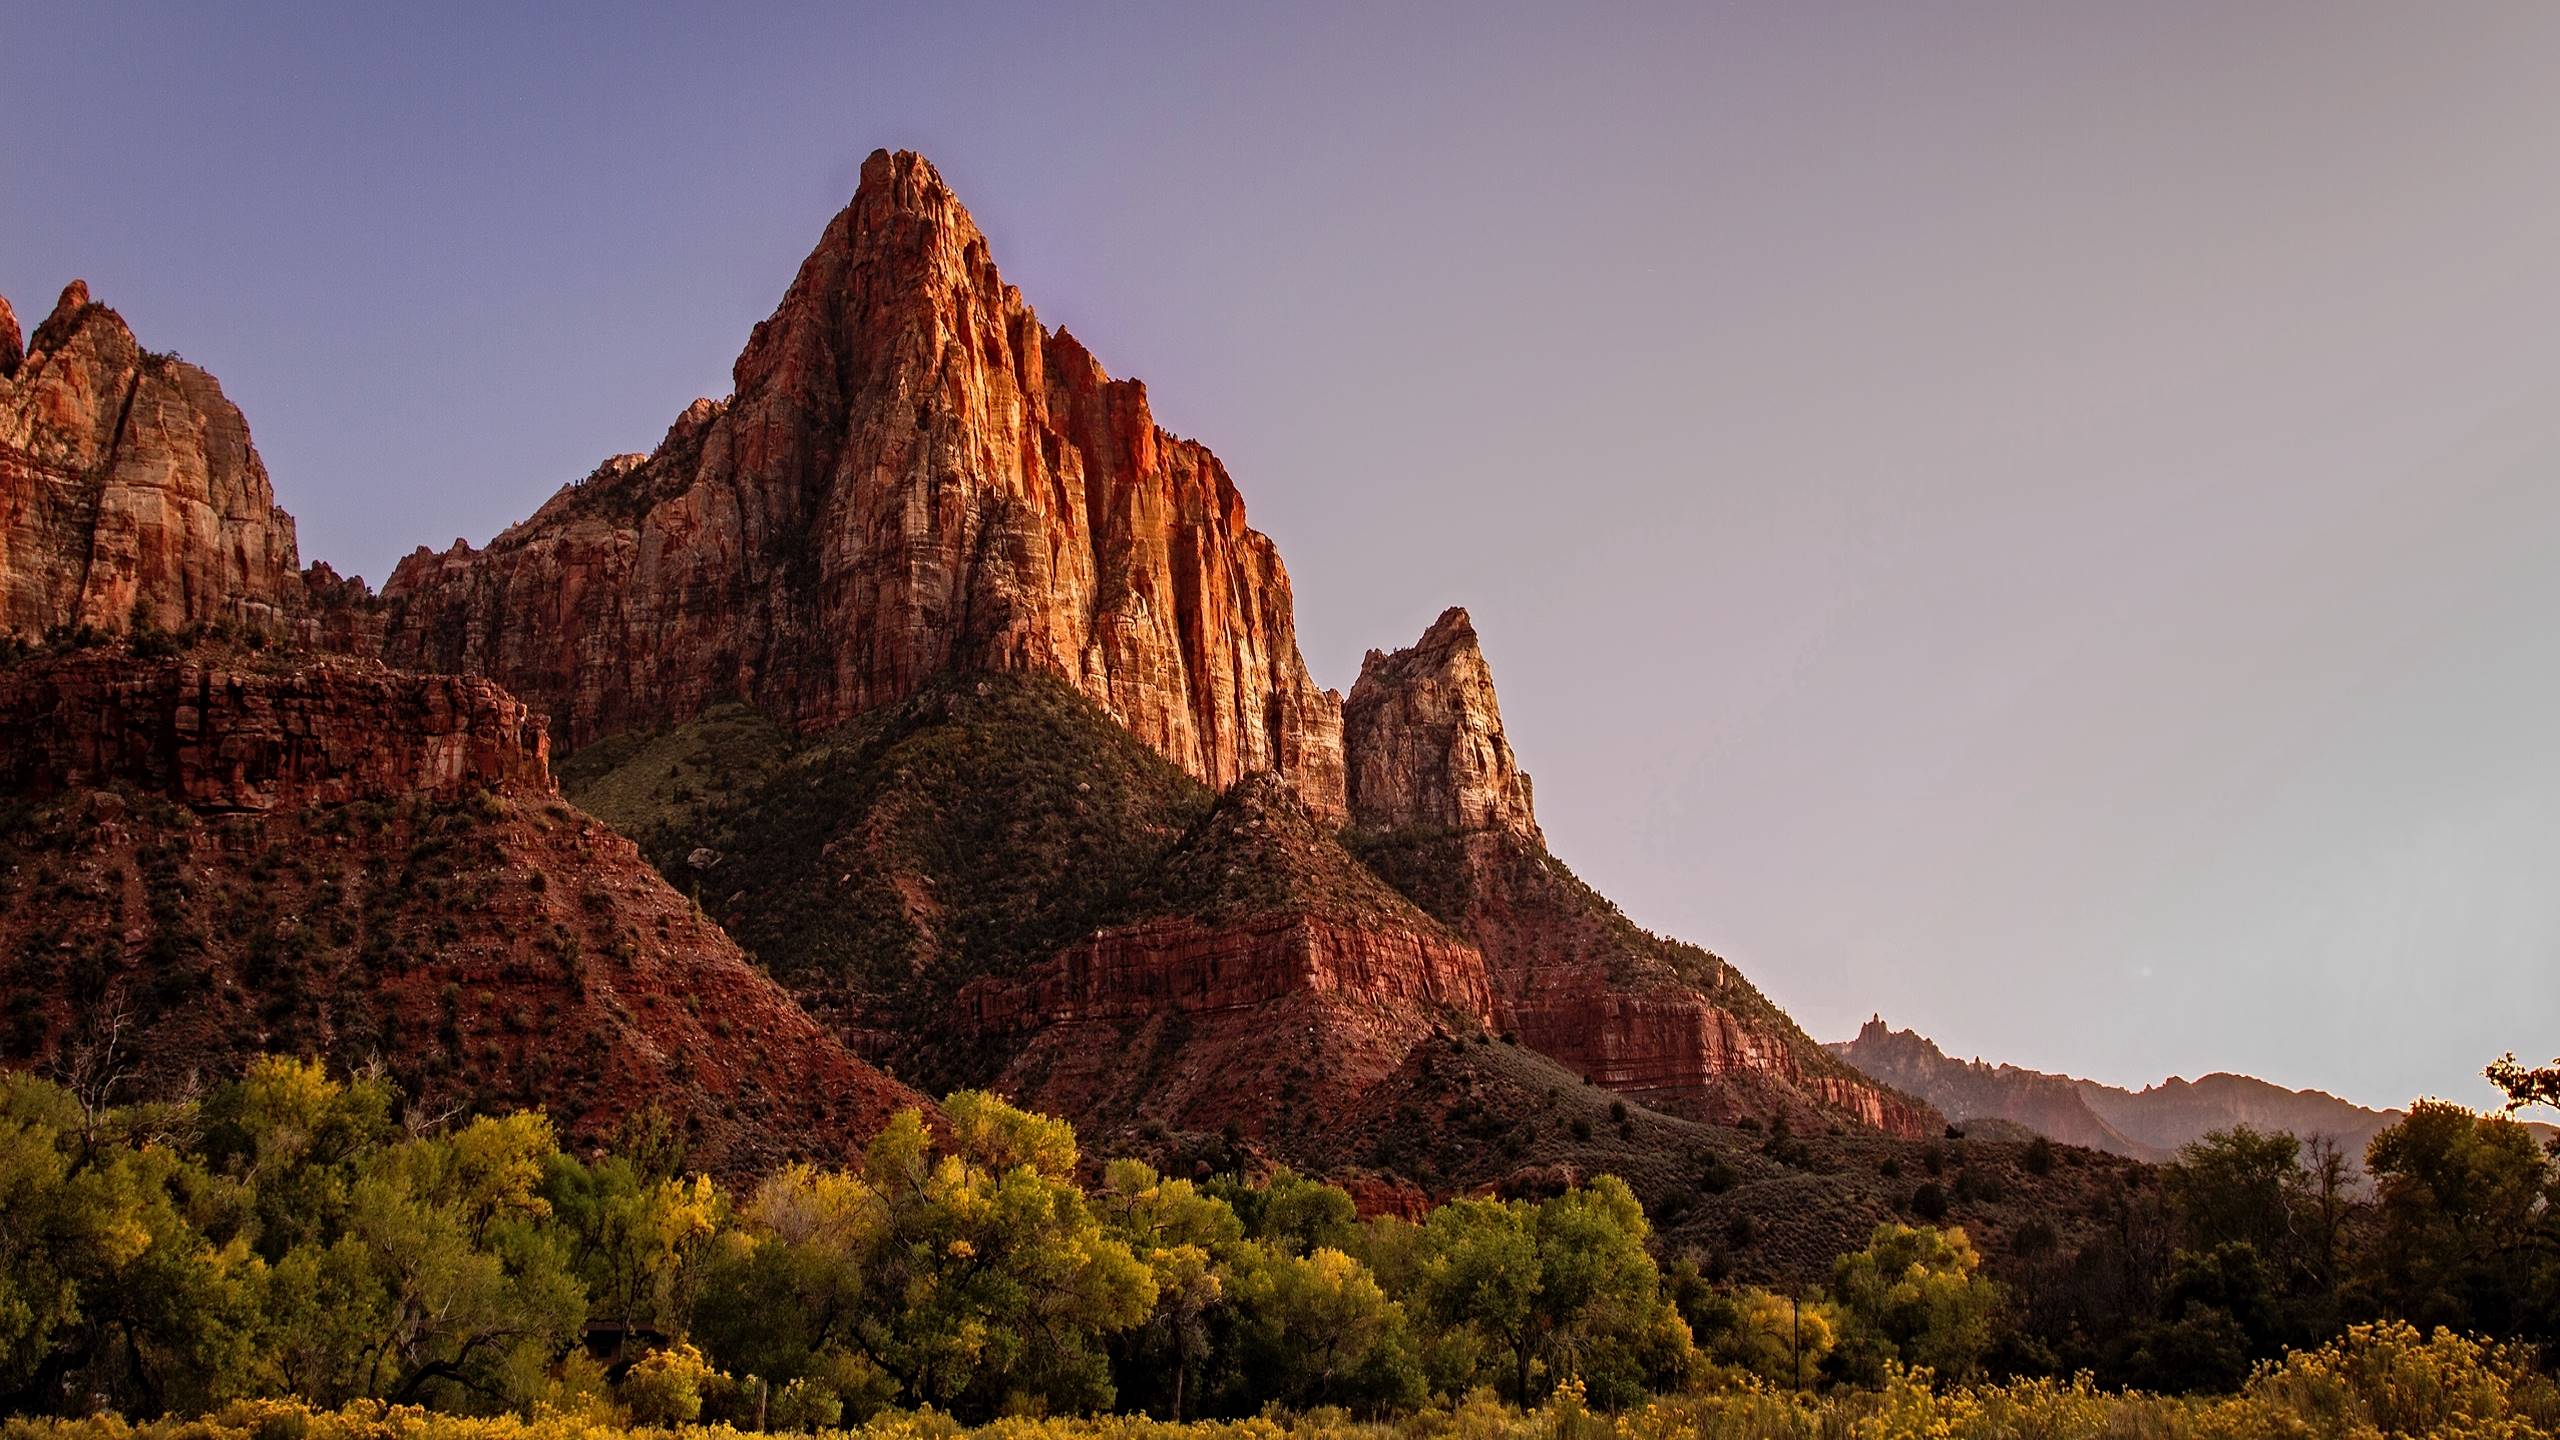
<point x="2376" y="1381"/>
<point x="285" y="1239"/>
<point x="969" y="830"/>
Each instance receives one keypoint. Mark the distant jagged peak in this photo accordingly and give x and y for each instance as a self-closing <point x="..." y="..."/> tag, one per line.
<point x="1423" y="740"/>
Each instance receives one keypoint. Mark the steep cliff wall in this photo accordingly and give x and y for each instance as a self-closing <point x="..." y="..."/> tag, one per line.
<point x="128" y="487"/>
<point x="248" y="732"/>
<point x="912" y="476"/>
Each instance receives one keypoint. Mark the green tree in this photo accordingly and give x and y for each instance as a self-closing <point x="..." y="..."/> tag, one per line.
<point x="2239" y="1187"/>
<point x="2465" y="1234"/>
<point x="107" y="1284"/>
<point x="1317" y="1329"/>
<point x="1566" y="1284"/>
<point x="1915" y="1294"/>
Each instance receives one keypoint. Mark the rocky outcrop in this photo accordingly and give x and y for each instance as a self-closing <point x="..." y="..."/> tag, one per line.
<point x="913" y="475"/>
<point x="1270" y="1023"/>
<point x="246" y="733"/>
<point x="1443" y="811"/>
<point x="1181" y="964"/>
<point x="128" y="488"/>
<point x="2049" y="1105"/>
<point x="1422" y="740"/>
<point x="13" y="345"/>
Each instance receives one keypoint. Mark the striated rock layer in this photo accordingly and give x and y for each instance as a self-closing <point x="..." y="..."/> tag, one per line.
<point x="128" y="488"/>
<point x="1443" y="811"/>
<point x="912" y="476"/>
<point x="233" y="733"/>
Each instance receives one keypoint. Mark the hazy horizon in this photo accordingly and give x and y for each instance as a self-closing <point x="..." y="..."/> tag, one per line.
<point x="2027" y="520"/>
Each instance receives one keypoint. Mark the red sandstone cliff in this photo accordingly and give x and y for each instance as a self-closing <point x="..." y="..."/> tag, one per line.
<point x="1443" y="811"/>
<point x="912" y="475"/>
<point x="1267" y="981"/>
<point x="128" y="487"/>
<point x="259" y="733"/>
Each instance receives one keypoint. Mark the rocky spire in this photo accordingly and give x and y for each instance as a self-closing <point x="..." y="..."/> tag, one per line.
<point x="1423" y="741"/>
<point x="913" y="476"/>
<point x="128" y="486"/>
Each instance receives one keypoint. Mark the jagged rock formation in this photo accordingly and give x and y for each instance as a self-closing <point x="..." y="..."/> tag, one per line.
<point x="257" y="732"/>
<point x="913" y="476"/>
<point x="2152" y="1123"/>
<point x="1423" y="743"/>
<point x="128" y="487"/>
<point x="2049" y="1105"/>
<point x="1444" y="812"/>
<point x="219" y="842"/>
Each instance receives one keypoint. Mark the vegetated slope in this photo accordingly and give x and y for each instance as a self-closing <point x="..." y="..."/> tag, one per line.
<point x="971" y="830"/>
<point x="216" y="854"/>
<point x="991" y="883"/>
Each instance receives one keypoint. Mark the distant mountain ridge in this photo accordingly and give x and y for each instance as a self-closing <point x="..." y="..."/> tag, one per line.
<point x="2152" y="1123"/>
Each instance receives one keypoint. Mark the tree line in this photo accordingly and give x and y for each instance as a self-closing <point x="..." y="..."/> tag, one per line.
<point x="289" y="1235"/>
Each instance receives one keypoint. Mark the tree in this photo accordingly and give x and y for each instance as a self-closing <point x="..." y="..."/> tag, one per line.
<point x="2525" y="1085"/>
<point x="996" y="1282"/>
<point x="2239" y="1187"/>
<point x="446" y="1276"/>
<point x="1317" y="1329"/>
<point x="1567" y="1281"/>
<point x="2464" y="1235"/>
<point x="1914" y="1294"/>
<point x="1782" y="1339"/>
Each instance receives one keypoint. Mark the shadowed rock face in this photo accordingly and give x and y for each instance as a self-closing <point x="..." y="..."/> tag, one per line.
<point x="913" y="475"/>
<point x="128" y="487"/>
<point x="1423" y="742"/>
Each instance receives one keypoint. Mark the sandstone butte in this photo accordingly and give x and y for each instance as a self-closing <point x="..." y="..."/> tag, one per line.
<point x="913" y="474"/>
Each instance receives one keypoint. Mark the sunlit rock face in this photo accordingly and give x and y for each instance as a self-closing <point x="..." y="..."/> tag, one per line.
<point x="128" y="487"/>
<point x="1423" y="740"/>
<point x="912" y="475"/>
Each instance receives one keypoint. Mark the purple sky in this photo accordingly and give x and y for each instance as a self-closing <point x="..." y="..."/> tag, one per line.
<point x="2036" y="519"/>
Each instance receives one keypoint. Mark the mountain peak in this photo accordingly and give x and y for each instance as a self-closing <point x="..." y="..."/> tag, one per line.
<point x="1423" y="740"/>
<point x="132" y="485"/>
<point x="912" y="476"/>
